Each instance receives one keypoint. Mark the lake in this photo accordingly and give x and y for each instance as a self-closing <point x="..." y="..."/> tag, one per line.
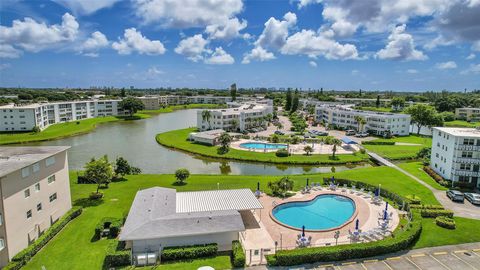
<point x="135" y="141"/>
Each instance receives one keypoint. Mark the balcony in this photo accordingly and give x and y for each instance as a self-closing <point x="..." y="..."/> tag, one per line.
<point x="465" y="147"/>
<point x="465" y="172"/>
<point x="467" y="160"/>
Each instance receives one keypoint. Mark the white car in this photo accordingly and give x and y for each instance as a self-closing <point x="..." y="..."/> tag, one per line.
<point x="473" y="198"/>
<point x="350" y="132"/>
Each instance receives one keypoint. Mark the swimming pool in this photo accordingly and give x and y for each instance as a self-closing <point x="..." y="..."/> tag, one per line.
<point x="259" y="145"/>
<point x="325" y="212"/>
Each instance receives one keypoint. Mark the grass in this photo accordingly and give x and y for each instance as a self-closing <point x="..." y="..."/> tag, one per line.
<point x="177" y="139"/>
<point x="460" y="123"/>
<point x="433" y="235"/>
<point x="425" y="141"/>
<point x="416" y="169"/>
<point x="399" y="152"/>
<point x="220" y="262"/>
<point x="379" y="109"/>
<point x="183" y="107"/>
<point x="75" y="241"/>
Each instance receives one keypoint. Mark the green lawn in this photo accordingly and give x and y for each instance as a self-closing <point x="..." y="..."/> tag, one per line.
<point x="433" y="235"/>
<point x="220" y="262"/>
<point x="416" y="168"/>
<point x="425" y="141"/>
<point x="398" y="152"/>
<point x="178" y="139"/>
<point x="75" y="243"/>
<point x="183" y="107"/>
<point x="375" y="109"/>
<point x="460" y="123"/>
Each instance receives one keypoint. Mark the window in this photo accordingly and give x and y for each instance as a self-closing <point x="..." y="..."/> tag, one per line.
<point x="39" y="207"/>
<point x="29" y="214"/>
<point x="27" y="193"/>
<point x="2" y="243"/>
<point x="53" y="197"/>
<point x="50" y="161"/>
<point x="36" y="167"/>
<point x="37" y="187"/>
<point x="26" y="172"/>
<point x="51" y="179"/>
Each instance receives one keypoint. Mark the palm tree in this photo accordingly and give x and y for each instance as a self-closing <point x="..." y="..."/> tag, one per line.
<point x="358" y="119"/>
<point x="225" y="139"/>
<point x="362" y="123"/>
<point x="335" y="142"/>
<point x="236" y="124"/>
<point x="206" y="115"/>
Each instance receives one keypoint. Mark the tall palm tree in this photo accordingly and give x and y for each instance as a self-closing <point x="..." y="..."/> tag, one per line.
<point x="206" y="115"/>
<point x="362" y="123"/>
<point x="358" y="119"/>
<point x="335" y="142"/>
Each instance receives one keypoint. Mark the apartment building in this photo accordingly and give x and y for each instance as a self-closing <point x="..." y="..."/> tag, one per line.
<point x="468" y="114"/>
<point x="238" y="117"/>
<point x="150" y="102"/>
<point x="42" y="115"/>
<point x="377" y="123"/>
<point x="456" y="154"/>
<point x="35" y="193"/>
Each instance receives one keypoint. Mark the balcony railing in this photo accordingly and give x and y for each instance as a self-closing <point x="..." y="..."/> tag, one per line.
<point x="465" y="172"/>
<point x="465" y="147"/>
<point x="467" y="160"/>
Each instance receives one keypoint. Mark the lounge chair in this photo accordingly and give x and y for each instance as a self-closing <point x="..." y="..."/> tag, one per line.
<point x="361" y="191"/>
<point x="353" y="190"/>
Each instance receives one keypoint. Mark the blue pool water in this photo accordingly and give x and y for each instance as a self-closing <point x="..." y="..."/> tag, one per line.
<point x="322" y="213"/>
<point x="258" y="145"/>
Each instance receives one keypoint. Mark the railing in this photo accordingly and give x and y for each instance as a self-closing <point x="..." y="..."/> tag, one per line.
<point x="467" y="160"/>
<point x="466" y="147"/>
<point x="465" y="173"/>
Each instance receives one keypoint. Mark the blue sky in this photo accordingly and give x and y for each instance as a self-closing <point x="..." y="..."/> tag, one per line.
<point x="403" y="45"/>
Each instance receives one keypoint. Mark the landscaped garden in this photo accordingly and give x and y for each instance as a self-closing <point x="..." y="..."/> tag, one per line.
<point x="77" y="241"/>
<point x="399" y="148"/>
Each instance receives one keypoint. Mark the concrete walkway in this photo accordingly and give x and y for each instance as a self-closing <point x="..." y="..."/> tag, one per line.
<point x="466" y="209"/>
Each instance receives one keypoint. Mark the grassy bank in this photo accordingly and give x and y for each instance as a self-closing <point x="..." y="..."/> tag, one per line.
<point x="177" y="139"/>
<point x="183" y="107"/>
<point x="460" y="123"/>
<point x="75" y="241"/>
<point x="416" y="169"/>
<point x="399" y="152"/>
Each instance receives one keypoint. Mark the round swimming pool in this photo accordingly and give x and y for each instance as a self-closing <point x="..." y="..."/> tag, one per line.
<point x="260" y="145"/>
<point x="325" y="212"/>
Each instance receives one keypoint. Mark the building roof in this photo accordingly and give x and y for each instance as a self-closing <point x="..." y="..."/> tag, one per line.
<point x="460" y="132"/>
<point x="209" y="134"/>
<point x="16" y="158"/>
<point x="347" y="140"/>
<point x="162" y="212"/>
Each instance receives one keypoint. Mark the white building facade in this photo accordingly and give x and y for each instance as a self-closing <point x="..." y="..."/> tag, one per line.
<point x="456" y="154"/>
<point x="377" y="123"/>
<point x="42" y="115"/>
<point x="468" y="114"/>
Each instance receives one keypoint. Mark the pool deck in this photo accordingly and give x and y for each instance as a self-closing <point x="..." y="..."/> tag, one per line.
<point x="366" y="211"/>
<point x="297" y="149"/>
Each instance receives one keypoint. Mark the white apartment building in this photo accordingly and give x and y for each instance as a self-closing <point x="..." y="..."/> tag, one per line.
<point x="26" y="117"/>
<point x="377" y="123"/>
<point x="35" y="193"/>
<point x="150" y="102"/>
<point x="243" y="117"/>
<point x="468" y="114"/>
<point x="456" y="154"/>
<point x="207" y="99"/>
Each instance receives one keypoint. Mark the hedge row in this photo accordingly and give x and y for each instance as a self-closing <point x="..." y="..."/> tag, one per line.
<point x="377" y="143"/>
<point x="414" y="200"/>
<point x="427" y="206"/>
<point x="433" y="213"/>
<point x="281" y="153"/>
<point x="25" y="255"/>
<point x="113" y="224"/>
<point x="238" y="254"/>
<point x="189" y="252"/>
<point x="401" y="240"/>
<point x="435" y="176"/>
<point x="445" y="222"/>
<point x="117" y="255"/>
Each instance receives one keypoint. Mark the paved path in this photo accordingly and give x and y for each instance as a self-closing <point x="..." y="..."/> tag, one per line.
<point x="466" y="209"/>
<point x="461" y="257"/>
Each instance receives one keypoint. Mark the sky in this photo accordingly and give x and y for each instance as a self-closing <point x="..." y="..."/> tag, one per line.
<point x="408" y="45"/>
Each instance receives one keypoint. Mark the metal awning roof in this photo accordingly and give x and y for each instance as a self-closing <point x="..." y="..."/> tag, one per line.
<point x="347" y="140"/>
<point x="216" y="200"/>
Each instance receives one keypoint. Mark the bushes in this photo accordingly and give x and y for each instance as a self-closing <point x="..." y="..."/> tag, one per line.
<point x="111" y="223"/>
<point x="412" y="199"/>
<point x="95" y="195"/>
<point x="281" y="153"/>
<point x="116" y="255"/>
<point x="435" y="176"/>
<point x="433" y="213"/>
<point x="401" y="241"/>
<point x="238" y="254"/>
<point x="189" y="252"/>
<point x="426" y="206"/>
<point x="377" y="143"/>
<point x="84" y="180"/>
<point x="445" y="222"/>
<point x="25" y="255"/>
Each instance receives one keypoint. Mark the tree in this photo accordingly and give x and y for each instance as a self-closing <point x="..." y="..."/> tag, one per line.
<point x="122" y="93"/>
<point x="122" y="167"/>
<point x="274" y="138"/>
<point x="377" y="103"/>
<point x="278" y="125"/>
<point x="295" y="101"/>
<point x="236" y="124"/>
<point x="181" y="175"/>
<point x="335" y="142"/>
<point x="288" y="101"/>
<point x="397" y="103"/>
<point x="132" y="105"/>
<point x="424" y="115"/>
<point x="233" y="91"/>
<point x="225" y="139"/>
<point x="36" y="129"/>
<point x="206" y="115"/>
<point x="281" y="186"/>
<point x="99" y="171"/>
<point x="362" y="123"/>
<point x="358" y="119"/>
<point x="308" y="149"/>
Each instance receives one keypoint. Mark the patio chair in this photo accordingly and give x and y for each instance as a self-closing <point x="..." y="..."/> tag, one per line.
<point x="353" y="190"/>
<point x="361" y="191"/>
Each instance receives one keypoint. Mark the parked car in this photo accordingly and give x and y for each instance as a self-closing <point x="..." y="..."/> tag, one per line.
<point x="322" y="133"/>
<point x="362" y="134"/>
<point x="278" y="132"/>
<point x="350" y="132"/>
<point x="455" y="195"/>
<point x="474" y="198"/>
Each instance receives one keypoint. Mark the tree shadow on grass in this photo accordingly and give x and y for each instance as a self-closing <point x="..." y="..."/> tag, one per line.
<point x="179" y="184"/>
<point x="87" y="202"/>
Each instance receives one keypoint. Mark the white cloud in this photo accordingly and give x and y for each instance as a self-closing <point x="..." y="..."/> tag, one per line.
<point x="312" y="64"/>
<point x="304" y="3"/>
<point x="192" y="47"/>
<point x="355" y="72"/>
<point x="313" y="44"/>
<point x="446" y="65"/>
<point x="95" y="42"/>
<point x="275" y="32"/>
<point x="134" y="41"/>
<point x="187" y="13"/>
<point x="4" y="66"/>
<point x="400" y="46"/>
<point x="154" y="71"/>
<point x="220" y="57"/>
<point x="258" y="54"/>
<point x="34" y="36"/>
<point x="474" y="68"/>
<point x="476" y="46"/>
<point x="86" y="7"/>
<point x="470" y="56"/>
<point x="412" y="71"/>
<point x="227" y="30"/>
<point x="8" y="51"/>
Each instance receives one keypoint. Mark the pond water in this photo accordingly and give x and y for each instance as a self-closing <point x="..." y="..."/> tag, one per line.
<point x="135" y="141"/>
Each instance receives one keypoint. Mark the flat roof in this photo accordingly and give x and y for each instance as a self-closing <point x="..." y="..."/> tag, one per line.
<point x="460" y="132"/>
<point x="13" y="158"/>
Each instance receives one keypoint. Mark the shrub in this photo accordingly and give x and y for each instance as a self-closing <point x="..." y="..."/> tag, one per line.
<point x="281" y="153"/>
<point x="445" y="222"/>
<point x="113" y="224"/>
<point x="412" y="199"/>
<point x="426" y="206"/>
<point x="435" y="176"/>
<point x="363" y="151"/>
<point x="25" y="255"/>
<point x="238" y="254"/>
<point x="84" y="180"/>
<point x="95" y="195"/>
<point x="433" y="213"/>
<point x="189" y="252"/>
<point x="401" y="241"/>
<point x="377" y="143"/>
<point x="117" y="255"/>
